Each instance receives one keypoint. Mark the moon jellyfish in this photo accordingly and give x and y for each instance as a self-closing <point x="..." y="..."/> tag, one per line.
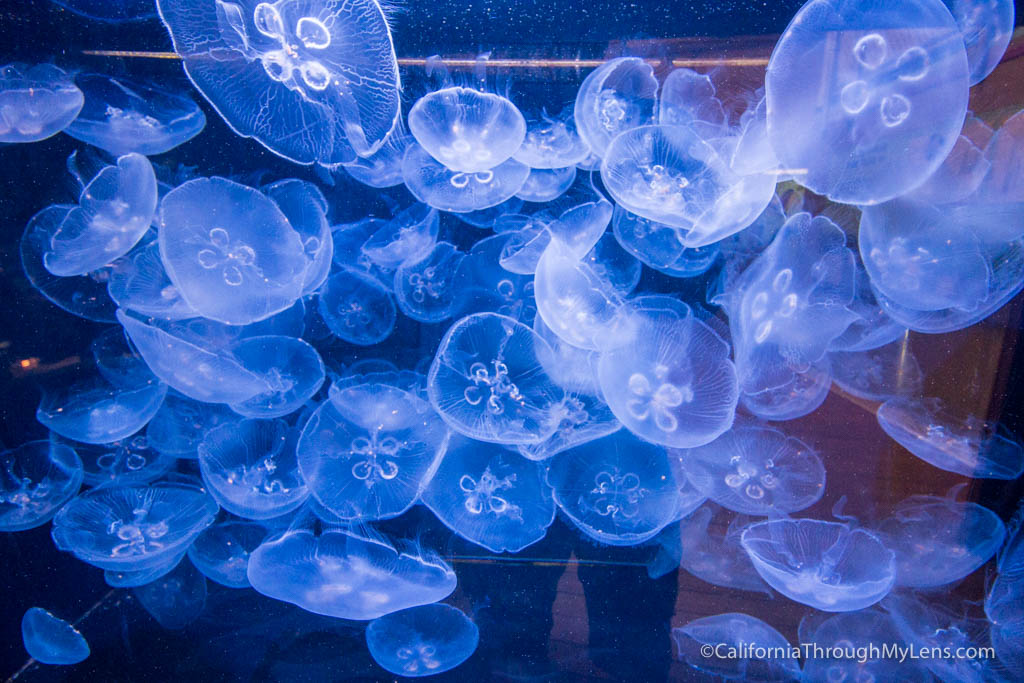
<point x="972" y="447"/>
<point x="674" y="384"/>
<point x="490" y="496"/>
<point x="114" y="211"/>
<point x="724" y="646"/>
<point x="486" y="382"/>
<point x="339" y="574"/>
<point x="618" y="96"/>
<point x="111" y="11"/>
<point x="251" y="469"/>
<point x="422" y="641"/>
<point x="438" y="186"/>
<point x="36" y="479"/>
<point x="552" y="142"/>
<point x="545" y="185"/>
<point x="221" y="552"/>
<point x="133" y="527"/>
<point x="176" y="599"/>
<point x="305" y="207"/>
<point x="883" y="86"/>
<point x="712" y="552"/>
<point x="852" y="641"/>
<point x="466" y="130"/>
<point x="127" y="461"/>
<point x="582" y="418"/>
<point x="756" y="471"/>
<point x="230" y="251"/>
<point x="827" y="565"/>
<point x="661" y="246"/>
<point x="139" y="282"/>
<point x="123" y="116"/>
<point x="368" y="451"/>
<point x="940" y="540"/>
<point x="878" y="374"/>
<point x="357" y="308"/>
<point x="425" y="289"/>
<point x="51" y="640"/>
<point x="987" y="26"/>
<point x="291" y="368"/>
<point x="407" y="238"/>
<point x="36" y="102"/>
<point x="484" y="286"/>
<point x="383" y="168"/>
<point x="689" y="99"/>
<point x="618" y="490"/>
<point x="290" y="75"/>
<point x="570" y="367"/>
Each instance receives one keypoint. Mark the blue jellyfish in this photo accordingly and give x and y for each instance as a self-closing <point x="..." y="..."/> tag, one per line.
<point x="466" y="130"/>
<point x="962" y="173"/>
<point x="230" y="251"/>
<point x="251" y="469"/>
<point x="36" y="102"/>
<point x="438" y="186"/>
<point x="490" y="496"/>
<point x="305" y="207"/>
<point x="111" y="11"/>
<point x="383" y="168"/>
<point x="711" y="550"/>
<point x="581" y="216"/>
<point x="357" y="307"/>
<point x="425" y="289"/>
<point x="872" y="327"/>
<point x="51" y="640"/>
<point x="133" y="527"/>
<point x="547" y="184"/>
<point x="221" y="552"/>
<point x="582" y="418"/>
<point x="127" y="461"/>
<point x="422" y="641"/>
<point x="827" y="565"/>
<point x="618" y="490"/>
<point x="972" y="447"/>
<point x="883" y="86"/>
<point x="690" y="99"/>
<point x="484" y="286"/>
<point x="138" y="282"/>
<point x="987" y="26"/>
<point x="36" y="479"/>
<point x="570" y="367"/>
<point x="407" y="238"/>
<point x="756" y="471"/>
<point x="618" y="96"/>
<point x="727" y="646"/>
<point x="850" y="649"/>
<point x="176" y="599"/>
<point x="661" y="246"/>
<point x="552" y="142"/>
<point x="292" y="369"/>
<point x="339" y="574"/>
<point x="940" y="540"/>
<point x="878" y="374"/>
<point x="528" y="237"/>
<point x="367" y="452"/>
<point x="123" y="116"/>
<point x="132" y="578"/>
<point x="289" y="75"/>
<point x="486" y="382"/>
<point x="181" y="423"/>
<point x="114" y="211"/>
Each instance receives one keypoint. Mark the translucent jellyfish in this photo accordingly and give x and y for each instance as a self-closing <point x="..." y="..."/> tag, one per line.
<point x="341" y="575"/>
<point x="614" y="264"/>
<point x="987" y="26"/>
<point x="51" y="640"/>
<point x="674" y="383"/>
<point x="661" y="246"/>
<point x="827" y="565"/>
<point x="552" y="142"/>
<point x="618" y="490"/>
<point x="383" y="168"/>
<point x="138" y="281"/>
<point x="618" y="96"/>
<point x="357" y="308"/>
<point x="581" y="216"/>
<point x="230" y="251"/>
<point x="940" y="540"/>
<point x="128" y="461"/>
<point x="873" y="327"/>
<point x="884" y="86"/>
<point x="305" y="207"/>
<point x="289" y="75"/>
<point x="435" y="184"/>
<point x="689" y="99"/>
<point x="486" y="382"/>
<point x="490" y="496"/>
<point x="583" y="418"/>
<point x="221" y="552"/>
<point x="348" y="246"/>
<point x="36" y="102"/>
<point x="133" y="527"/>
<point x="111" y="11"/>
<point x="251" y="469"/>
<point x="756" y="471"/>
<point x="407" y="238"/>
<point x="546" y="184"/>
<point x="712" y="552"/>
<point x="570" y="367"/>
<point x="484" y="286"/>
<point x="36" y="479"/>
<point x="971" y="447"/>
<point x="422" y="641"/>
<point x="528" y="237"/>
<point x="292" y="369"/>
<point x="176" y="599"/>
<point x="878" y="374"/>
<point x="368" y="451"/>
<point x="725" y="645"/>
<point x="115" y="210"/>
<point x="130" y="578"/>
<point x="123" y="116"/>
<point x="425" y="289"/>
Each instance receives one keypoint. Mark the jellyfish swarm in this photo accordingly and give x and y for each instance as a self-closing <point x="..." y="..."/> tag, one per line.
<point x="123" y="116"/>
<point x="422" y="641"/>
<point x="971" y="447"/>
<point x="221" y="552"/>
<point x="133" y="527"/>
<point x="735" y="633"/>
<point x="367" y="452"/>
<point x="357" y="307"/>
<point x="618" y="490"/>
<point x="36" y="479"/>
<point x="230" y="251"/>
<point x="487" y="383"/>
<point x="889" y="102"/>
<point x="341" y="575"/>
<point x="313" y="83"/>
<point x="756" y="471"/>
<point x="618" y="96"/>
<point x="490" y="496"/>
<point x="987" y="26"/>
<point x="51" y="640"/>
<point x="36" y="102"/>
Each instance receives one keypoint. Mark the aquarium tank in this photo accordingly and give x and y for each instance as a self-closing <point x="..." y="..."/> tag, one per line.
<point x="511" y="340"/>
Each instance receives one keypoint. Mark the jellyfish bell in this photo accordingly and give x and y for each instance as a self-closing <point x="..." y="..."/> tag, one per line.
<point x="618" y="96"/>
<point x="461" y="192"/>
<point x="37" y="102"/>
<point x="36" y="479"/>
<point x="422" y="641"/>
<point x="51" y="640"/>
